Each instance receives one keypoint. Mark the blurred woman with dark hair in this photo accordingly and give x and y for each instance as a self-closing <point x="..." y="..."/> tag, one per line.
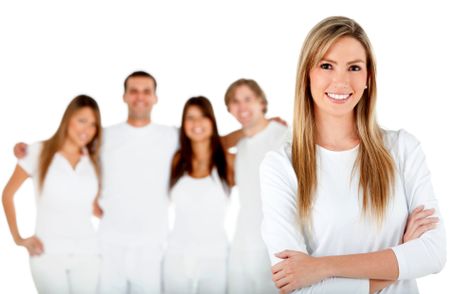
<point x="200" y="182"/>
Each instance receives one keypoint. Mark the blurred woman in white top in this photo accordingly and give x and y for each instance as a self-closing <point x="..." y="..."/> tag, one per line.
<point x="200" y="181"/>
<point x="336" y="199"/>
<point x="65" y="170"/>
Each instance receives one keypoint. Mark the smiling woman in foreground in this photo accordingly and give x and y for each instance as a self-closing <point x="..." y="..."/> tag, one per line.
<point x="348" y="207"/>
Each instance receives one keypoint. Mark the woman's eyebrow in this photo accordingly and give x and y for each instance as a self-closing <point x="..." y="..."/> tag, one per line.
<point x="350" y="62"/>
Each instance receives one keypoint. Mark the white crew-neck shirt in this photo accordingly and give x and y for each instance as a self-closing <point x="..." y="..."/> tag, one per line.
<point x="338" y="225"/>
<point x="64" y="204"/>
<point x="135" y="172"/>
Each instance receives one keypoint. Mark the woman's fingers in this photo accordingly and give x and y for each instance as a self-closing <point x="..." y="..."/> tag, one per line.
<point x="425" y="225"/>
<point x="418" y="224"/>
<point x="285" y="254"/>
<point x="35" y="246"/>
<point x="423" y="213"/>
<point x="425" y="228"/>
<point x="416" y="216"/>
<point x="278" y="276"/>
<point x="277" y="267"/>
<point x="39" y="246"/>
<point x="425" y="221"/>
<point x="33" y="250"/>
<point x="282" y="283"/>
<point x="422" y="221"/>
<point x="286" y="289"/>
<point x="418" y="208"/>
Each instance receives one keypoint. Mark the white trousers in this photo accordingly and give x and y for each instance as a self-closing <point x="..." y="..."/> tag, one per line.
<point x="250" y="272"/>
<point x="61" y="274"/>
<point x="130" y="269"/>
<point x="187" y="274"/>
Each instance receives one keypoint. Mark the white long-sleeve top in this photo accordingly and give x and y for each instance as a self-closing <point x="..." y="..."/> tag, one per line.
<point x="339" y="226"/>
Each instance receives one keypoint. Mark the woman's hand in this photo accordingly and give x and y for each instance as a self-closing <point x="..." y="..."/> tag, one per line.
<point x="96" y="209"/>
<point x="279" y="120"/>
<point x="297" y="270"/>
<point x="33" y="245"/>
<point x="419" y="221"/>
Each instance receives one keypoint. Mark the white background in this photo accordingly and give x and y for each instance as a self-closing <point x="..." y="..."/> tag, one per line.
<point x="53" y="51"/>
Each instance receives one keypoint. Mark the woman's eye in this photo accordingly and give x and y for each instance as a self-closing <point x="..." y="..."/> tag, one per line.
<point x="355" y="68"/>
<point x="325" y="66"/>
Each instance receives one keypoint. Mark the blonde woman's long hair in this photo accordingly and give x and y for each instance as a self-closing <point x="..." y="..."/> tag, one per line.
<point x="55" y="142"/>
<point x="374" y="163"/>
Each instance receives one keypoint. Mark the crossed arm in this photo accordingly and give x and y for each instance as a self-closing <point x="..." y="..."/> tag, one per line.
<point x="298" y="270"/>
<point x="422" y="250"/>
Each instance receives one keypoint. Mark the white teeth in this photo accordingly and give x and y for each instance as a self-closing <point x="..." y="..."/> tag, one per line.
<point x="338" y="96"/>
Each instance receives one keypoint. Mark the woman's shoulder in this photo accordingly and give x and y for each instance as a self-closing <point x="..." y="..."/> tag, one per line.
<point x="402" y="145"/>
<point x="35" y="146"/>
<point x="279" y="161"/>
<point x="399" y="140"/>
<point x="34" y="150"/>
<point x="277" y="175"/>
<point x="30" y="161"/>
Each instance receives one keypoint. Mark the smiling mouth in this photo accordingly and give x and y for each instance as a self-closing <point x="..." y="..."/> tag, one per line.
<point x="197" y="131"/>
<point x="83" y="137"/>
<point x="338" y="97"/>
<point x="244" y="115"/>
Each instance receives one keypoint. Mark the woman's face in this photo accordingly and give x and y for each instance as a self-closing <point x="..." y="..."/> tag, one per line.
<point x="82" y="127"/>
<point x="338" y="81"/>
<point x="197" y="126"/>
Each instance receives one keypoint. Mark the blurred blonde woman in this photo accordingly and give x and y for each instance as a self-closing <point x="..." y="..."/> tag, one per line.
<point x="336" y="199"/>
<point x="65" y="170"/>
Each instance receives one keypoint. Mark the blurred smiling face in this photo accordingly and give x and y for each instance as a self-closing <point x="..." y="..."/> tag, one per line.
<point x="338" y="81"/>
<point x="246" y="106"/>
<point x="197" y="126"/>
<point x="140" y="96"/>
<point x="82" y="127"/>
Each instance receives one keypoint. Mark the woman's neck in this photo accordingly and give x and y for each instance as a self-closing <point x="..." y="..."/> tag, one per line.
<point x="70" y="148"/>
<point x="336" y="133"/>
<point x="201" y="158"/>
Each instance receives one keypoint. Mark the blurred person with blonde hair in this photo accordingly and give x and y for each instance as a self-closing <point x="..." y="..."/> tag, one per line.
<point x="64" y="251"/>
<point x="249" y="263"/>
